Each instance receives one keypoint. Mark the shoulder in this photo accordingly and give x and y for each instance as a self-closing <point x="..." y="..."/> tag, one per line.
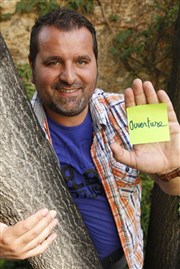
<point x="107" y="108"/>
<point x="108" y="99"/>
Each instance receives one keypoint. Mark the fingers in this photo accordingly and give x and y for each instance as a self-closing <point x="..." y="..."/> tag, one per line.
<point x="141" y="93"/>
<point x="150" y="93"/>
<point x="38" y="227"/>
<point x="40" y="248"/>
<point x="29" y="237"/>
<point x="39" y="234"/>
<point x="164" y="98"/>
<point x="26" y="225"/>
<point x="144" y="93"/>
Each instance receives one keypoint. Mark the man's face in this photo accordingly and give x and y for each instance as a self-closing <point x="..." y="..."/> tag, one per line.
<point x="65" y="70"/>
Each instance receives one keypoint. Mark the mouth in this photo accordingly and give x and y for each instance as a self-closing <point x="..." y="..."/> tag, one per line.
<point x="68" y="90"/>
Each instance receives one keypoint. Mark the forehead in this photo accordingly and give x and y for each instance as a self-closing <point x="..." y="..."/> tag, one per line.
<point x="51" y="38"/>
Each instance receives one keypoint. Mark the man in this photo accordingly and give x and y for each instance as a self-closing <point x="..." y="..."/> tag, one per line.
<point x="88" y="130"/>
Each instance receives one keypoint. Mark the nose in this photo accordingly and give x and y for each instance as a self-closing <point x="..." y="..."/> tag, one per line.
<point x="68" y="74"/>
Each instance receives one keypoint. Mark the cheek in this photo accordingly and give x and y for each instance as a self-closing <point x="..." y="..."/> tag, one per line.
<point x="43" y="78"/>
<point x="91" y="77"/>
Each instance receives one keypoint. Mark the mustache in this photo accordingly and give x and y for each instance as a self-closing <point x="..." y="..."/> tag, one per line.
<point x="64" y="85"/>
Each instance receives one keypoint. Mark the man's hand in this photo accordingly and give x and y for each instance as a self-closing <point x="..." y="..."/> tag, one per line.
<point x="29" y="237"/>
<point x="162" y="157"/>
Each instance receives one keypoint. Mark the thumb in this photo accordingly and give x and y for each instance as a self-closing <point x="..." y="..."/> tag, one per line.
<point x="122" y="155"/>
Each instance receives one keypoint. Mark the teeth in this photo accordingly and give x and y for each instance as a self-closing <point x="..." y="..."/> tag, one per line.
<point x="68" y="91"/>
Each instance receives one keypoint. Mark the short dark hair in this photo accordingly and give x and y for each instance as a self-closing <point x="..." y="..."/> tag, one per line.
<point x="64" y="19"/>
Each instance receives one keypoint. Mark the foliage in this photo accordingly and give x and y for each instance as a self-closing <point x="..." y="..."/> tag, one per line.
<point x="147" y="185"/>
<point x="4" y="17"/>
<point x="39" y="6"/>
<point x="25" y="74"/>
<point x="1" y="263"/>
<point x="148" y="51"/>
<point x="81" y="5"/>
<point x="14" y="265"/>
<point x="114" y="17"/>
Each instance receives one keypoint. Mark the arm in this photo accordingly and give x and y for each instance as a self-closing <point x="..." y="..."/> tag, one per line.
<point x="159" y="158"/>
<point x="29" y="237"/>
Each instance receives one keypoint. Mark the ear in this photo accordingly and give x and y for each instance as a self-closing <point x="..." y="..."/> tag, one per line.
<point x="30" y="61"/>
<point x="31" y="65"/>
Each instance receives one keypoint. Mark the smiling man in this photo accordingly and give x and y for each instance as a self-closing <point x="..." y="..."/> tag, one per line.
<point x="88" y="130"/>
<point x="65" y="72"/>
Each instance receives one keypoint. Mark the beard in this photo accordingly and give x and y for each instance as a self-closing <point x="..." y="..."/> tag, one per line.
<point x="66" y="105"/>
<point x="69" y="107"/>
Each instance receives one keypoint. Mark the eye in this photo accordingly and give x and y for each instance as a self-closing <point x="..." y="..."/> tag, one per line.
<point x="81" y="62"/>
<point x="54" y="63"/>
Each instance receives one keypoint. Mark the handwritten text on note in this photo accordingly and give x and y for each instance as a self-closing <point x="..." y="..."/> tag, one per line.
<point x="148" y="123"/>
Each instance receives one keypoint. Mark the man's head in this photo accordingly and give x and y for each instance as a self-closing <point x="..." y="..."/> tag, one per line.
<point x="63" y="19"/>
<point x="63" y="57"/>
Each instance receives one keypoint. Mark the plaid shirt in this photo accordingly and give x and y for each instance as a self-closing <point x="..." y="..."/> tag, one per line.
<point x="121" y="183"/>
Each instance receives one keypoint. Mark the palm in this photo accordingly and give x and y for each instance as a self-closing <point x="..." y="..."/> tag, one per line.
<point x="153" y="157"/>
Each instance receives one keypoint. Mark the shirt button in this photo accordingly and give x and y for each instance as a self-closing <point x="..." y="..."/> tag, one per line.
<point x="127" y="169"/>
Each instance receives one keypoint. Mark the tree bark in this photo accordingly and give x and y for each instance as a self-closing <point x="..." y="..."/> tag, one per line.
<point x="163" y="242"/>
<point x="174" y="83"/>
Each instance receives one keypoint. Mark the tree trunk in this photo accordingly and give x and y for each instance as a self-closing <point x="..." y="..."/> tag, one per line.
<point x="163" y="242"/>
<point x="174" y="83"/>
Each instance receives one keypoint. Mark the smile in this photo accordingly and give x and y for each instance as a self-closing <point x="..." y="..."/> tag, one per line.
<point x="67" y="91"/>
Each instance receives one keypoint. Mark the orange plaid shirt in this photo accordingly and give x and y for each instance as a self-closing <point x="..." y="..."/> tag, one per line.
<point x="121" y="183"/>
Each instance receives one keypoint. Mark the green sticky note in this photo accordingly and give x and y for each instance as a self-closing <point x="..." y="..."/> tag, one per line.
<point x="148" y="123"/>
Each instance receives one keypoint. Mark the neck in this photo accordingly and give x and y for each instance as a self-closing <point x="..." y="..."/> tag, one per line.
<point x="68" y="121"/>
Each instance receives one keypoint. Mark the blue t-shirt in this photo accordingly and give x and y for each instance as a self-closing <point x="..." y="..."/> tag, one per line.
<point x="72" y="146"/>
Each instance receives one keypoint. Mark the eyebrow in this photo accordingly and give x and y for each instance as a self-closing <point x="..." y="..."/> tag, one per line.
<point x="52" y="58"/>
<point x="86" y="57"/>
